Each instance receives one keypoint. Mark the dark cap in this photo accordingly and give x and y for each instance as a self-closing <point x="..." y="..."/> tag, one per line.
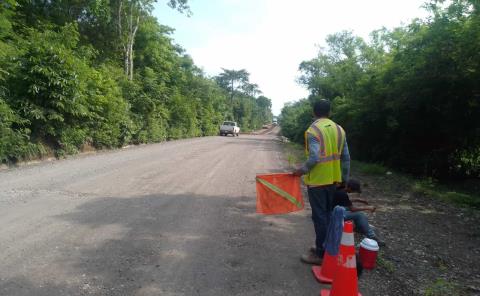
<point x="322" y="108"/>
<point x="354" y="185"/>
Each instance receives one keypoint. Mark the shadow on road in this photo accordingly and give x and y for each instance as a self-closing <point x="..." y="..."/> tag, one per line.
<point x="183" y="244"/>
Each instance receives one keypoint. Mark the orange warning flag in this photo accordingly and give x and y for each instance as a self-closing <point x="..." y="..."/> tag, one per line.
<point x="278" y="193"/>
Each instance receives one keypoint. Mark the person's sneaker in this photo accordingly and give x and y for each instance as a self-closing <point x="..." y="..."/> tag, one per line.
<point x="313" y="249"/>
<point x="311" y="258"/>
<point x="380" y="242"/>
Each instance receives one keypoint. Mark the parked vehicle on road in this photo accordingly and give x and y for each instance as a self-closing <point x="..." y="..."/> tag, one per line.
<point x="229" y="127"/>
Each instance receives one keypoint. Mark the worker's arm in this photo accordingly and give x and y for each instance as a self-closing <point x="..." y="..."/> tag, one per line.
<point x="359" y="200"/>
<point x="345" y="162"/>
<point x="313" y="148"/>
<point x="358" y="209"/>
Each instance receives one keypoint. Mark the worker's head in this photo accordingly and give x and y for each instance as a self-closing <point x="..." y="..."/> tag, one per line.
<point x="321" y="108"/>
<point x="353" y="186"/>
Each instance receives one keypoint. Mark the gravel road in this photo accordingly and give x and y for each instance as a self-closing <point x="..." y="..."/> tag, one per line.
<point x="175" y="218"/>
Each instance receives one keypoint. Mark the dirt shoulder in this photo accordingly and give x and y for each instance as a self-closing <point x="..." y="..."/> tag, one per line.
<point x="433" y="247"/>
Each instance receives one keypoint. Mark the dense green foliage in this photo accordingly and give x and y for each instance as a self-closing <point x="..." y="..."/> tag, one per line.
<point x="75" y="74"/>
<point x="408" y="98"/>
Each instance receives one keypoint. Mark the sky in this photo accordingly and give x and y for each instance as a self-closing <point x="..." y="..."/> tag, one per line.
<point x="270" y="38"/>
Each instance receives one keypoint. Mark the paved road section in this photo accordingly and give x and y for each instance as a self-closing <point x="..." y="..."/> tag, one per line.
<point x="175" y="218"/>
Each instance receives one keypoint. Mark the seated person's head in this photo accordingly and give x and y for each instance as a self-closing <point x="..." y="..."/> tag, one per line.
<point x="353" y="186"/>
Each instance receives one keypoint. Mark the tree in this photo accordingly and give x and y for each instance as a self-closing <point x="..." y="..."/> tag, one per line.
<point x="130" y="13"/>
<point x="250" y="111"/>
<point x="409" y="97"/>
<point x="233" y="81"/>
<point x="67" y="79"/>
<point x="251" y="89"/>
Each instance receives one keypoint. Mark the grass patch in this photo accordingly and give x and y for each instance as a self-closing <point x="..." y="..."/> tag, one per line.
<point x="369" y="168"/>
<point x="385" y="264"/>
<point x="432" y="188"/>
<point x="294" y="153"/>
<point x="461" y="195"/>
<point x="442" y="287"/>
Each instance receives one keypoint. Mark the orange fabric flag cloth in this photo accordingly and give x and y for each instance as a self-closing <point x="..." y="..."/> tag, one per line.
<point x="278" y="193"/>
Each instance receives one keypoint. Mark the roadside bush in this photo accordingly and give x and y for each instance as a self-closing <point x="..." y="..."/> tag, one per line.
<point x="63" y="82"/>
<point x="13" y="143"/>
<point x="183" y="119"/>
<point x="70" y="140"/>
<point x="467" y="162"/>
<point x="110" y="124"/>
<point x="49" y="86"/>
<point x="66" y="101"/>
<point x="208" y="120"/>
<point x="369" y="168"/>
<point x="295" y="119"/>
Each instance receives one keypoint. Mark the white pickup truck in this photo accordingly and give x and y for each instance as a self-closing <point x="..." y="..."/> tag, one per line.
<point x="229" y="127"/>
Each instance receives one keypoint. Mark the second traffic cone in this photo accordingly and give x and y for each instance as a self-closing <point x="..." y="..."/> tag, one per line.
<point x="325" y="272"/>
<point x="345" y="282"/>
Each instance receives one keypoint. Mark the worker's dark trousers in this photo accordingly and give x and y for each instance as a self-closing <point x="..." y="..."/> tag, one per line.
<point x="321" y="202"/>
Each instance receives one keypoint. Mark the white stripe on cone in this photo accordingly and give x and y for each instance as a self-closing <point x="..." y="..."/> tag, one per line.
<point x="348" y="261"/>
<point x="347" y="239"/>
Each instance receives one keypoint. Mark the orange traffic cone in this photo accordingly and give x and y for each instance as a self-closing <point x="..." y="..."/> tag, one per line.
<point x="325" y="272"/>
<point x="345" y="278"/>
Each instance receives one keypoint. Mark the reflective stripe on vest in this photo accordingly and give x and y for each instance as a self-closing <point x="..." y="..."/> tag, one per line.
<point x="340" y="139"/>
<point x="329" y="158"/>
<point x="320" y="139"/>
<point x="319" y="136"/>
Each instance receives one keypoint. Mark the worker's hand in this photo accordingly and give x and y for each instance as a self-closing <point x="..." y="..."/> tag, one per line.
<point x="297" y="172"/>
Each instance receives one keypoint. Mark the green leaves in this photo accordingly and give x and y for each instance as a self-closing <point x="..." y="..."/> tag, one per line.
<point x="180" y="5"/>
<point x="63" y="82"/>
<point x="406" y="98"/>
<point x="14" y="136"/>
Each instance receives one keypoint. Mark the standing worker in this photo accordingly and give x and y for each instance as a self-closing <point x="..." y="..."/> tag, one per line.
<point x="327" y="166"/>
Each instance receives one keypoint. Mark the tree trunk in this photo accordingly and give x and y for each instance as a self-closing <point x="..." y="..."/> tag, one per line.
<point x="132" y="31"/>
<point x="127" y="33"/>
<point x="125" y="48"/>
<point x="126" y="60"/>
<point x="131" y="61"/>
<point x="231" y="94"/>
<point x="132" y="41"/>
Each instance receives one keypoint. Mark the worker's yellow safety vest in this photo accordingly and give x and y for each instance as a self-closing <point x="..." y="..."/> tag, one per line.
<point x="331" y="138"/>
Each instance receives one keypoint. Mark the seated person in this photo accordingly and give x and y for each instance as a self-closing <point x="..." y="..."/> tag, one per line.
<point x="353" y="212"/>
